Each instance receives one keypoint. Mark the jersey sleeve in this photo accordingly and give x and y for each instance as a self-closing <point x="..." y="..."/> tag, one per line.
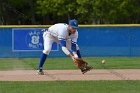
<point x="62" y="42"/>
<point x="62" y="33"/>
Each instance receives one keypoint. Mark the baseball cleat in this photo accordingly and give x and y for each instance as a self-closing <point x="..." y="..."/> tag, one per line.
<point x="86" y="69"/>
<point x="40" y="72"/>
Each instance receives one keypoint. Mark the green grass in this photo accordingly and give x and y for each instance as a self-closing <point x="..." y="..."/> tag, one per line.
<point x="66" y="63"/>
<point x="70" y="87"/>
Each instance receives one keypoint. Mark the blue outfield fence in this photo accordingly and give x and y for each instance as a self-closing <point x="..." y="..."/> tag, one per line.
<point x="93" y="41"/>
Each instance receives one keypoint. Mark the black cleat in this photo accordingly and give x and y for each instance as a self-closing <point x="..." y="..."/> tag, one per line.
<point x="40" y="72"/>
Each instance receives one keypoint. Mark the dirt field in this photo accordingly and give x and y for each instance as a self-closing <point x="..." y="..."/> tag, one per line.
<point x="53" y="75"/>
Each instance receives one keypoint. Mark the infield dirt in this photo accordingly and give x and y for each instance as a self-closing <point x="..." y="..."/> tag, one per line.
<point x="60" y="75"/>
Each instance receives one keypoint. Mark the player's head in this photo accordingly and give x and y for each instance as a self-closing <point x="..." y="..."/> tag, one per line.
<point x="73" y="25"/>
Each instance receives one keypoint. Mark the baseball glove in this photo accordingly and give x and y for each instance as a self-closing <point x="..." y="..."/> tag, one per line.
<point x="82" y="65"/>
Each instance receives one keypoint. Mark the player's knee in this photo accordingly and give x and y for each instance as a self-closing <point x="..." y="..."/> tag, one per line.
<point x="46" y="52"/>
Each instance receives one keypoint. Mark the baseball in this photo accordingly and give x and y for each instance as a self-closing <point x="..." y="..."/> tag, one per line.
<point x="103" y="61"/>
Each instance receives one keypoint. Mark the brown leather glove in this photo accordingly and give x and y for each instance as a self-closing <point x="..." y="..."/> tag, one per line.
<point x="80" y="63"/>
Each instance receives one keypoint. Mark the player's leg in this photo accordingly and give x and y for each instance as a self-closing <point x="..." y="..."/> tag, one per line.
<point x="47" y="48"/>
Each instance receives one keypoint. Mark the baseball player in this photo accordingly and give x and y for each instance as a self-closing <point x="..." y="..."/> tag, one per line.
<point x="66" y="35"/>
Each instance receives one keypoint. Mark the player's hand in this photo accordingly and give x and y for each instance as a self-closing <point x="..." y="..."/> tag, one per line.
<point x="72" y="57"/>
<point x="75" y="54"/>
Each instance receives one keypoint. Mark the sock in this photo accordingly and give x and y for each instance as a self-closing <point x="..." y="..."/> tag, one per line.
<point x="78" y="53"/>
<point x="42" y="61"/>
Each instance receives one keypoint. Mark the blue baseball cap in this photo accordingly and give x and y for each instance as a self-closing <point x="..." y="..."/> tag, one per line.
<point x="73" y="23"/>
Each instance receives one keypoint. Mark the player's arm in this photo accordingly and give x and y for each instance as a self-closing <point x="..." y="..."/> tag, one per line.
<point x="62" y="39"/>
<point x="74" y="38"/>
<point x="73" y="48"/>
<point x="64" y="49"/>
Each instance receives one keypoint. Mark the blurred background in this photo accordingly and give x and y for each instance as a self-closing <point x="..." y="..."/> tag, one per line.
<point x="42" y="12"/>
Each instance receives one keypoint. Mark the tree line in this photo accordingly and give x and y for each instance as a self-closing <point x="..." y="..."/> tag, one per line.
<point x="24" y="12"/>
